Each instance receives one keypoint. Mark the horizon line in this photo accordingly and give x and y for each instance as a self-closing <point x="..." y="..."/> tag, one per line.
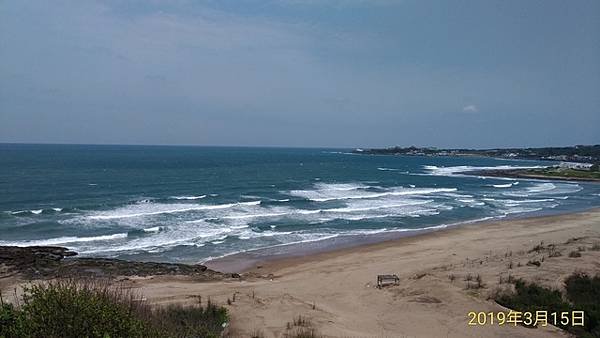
<point x="280" y="146"/>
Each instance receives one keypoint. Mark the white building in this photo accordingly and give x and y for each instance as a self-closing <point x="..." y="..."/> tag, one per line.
<point x="575" y="165"/>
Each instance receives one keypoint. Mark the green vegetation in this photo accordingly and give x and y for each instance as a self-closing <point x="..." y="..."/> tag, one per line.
<point x="92" y="309"/>
<point x="582" y="294"/>
<point x="566" y="173"/>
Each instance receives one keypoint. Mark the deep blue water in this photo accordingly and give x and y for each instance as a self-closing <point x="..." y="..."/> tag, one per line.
<point x="191" y="203"/>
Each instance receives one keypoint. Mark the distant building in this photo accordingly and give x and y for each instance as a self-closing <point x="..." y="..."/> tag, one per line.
<point x="575" y="165"/>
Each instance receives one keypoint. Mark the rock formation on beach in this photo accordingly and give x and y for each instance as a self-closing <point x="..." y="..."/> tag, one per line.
<point x="53" y="261"/>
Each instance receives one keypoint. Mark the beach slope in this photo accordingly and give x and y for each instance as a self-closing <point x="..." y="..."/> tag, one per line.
<point x="336" y="291"/>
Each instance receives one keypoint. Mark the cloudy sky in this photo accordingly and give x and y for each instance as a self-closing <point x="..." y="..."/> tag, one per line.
<point x="341" y="73"/>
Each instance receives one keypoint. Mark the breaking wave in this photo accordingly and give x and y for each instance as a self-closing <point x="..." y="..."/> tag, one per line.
<point x="188" y="197"/>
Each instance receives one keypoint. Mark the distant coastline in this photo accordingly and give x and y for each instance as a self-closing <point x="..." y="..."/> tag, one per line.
<point x="544" y="173"/>
<point x="576" y="163"/>
<point x="578" y="153"/>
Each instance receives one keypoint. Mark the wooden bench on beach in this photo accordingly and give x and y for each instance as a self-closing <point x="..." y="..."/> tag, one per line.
<point x="385" y="280"/>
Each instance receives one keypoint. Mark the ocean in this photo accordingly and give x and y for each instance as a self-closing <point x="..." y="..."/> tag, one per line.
<point x="191" y="204"/>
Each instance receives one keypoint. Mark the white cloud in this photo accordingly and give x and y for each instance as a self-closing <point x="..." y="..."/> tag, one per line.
<point x="470" y="109"/>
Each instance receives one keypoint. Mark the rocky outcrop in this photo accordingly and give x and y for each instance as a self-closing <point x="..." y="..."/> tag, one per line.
<point x="54" y="262"/>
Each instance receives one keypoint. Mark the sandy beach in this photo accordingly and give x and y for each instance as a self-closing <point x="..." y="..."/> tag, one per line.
<point x="336" y="290"/>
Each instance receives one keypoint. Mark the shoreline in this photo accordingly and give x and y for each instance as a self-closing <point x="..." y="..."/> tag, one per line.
<point x="242" y="262"/>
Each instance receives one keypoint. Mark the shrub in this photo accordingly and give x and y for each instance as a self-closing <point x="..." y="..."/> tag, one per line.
<point x="582" y="292"/>
<point x="574" y="254"/>
<point x="9" y="321"/>
<point x="95" y="309"/>
<point x="71" y="309"/>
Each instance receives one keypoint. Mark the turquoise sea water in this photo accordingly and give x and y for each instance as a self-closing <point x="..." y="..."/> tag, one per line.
<point x="189" y="204"/>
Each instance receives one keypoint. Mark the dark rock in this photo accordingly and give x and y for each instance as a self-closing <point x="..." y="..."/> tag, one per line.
<point x="50" y="262"/>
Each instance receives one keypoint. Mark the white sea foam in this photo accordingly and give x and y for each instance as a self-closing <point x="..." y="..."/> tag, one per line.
<point x="378" y="206"/>
<point x="519" y="210"/>
<point x="546" y="188"/>
<point x="188" y="197"/>
<point x="64" y="240"/>
<point x="332" y="192"/>
<point x="471" y="202"/>
<point x="273" y="214"/>
<point x="541" y="187"/>
<point x="508" y="185"/>
<point x="457" y="170"/>
<point x="183" y="235"/>
<point x="158" y="209"/>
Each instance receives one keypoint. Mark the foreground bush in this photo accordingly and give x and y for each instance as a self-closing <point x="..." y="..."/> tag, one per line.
<point x="582" y="294"/>
<point x="91" y="309"/>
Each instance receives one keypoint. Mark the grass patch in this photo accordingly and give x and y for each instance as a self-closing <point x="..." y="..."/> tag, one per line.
<point x="95" y="309"/>
<point x="567" y="173"/>
<point x="582" y="294"/>
<point x="301" y="327"/>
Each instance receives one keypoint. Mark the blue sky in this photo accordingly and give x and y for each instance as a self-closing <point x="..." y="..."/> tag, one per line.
<point x="351" y="73"/>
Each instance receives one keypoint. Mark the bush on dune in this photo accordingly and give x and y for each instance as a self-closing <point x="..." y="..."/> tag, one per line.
<point x="91" y="309"/>
<point x="582" y="294"/>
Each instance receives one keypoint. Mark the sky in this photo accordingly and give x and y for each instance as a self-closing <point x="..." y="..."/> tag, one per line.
<point x="301" y="73"/>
